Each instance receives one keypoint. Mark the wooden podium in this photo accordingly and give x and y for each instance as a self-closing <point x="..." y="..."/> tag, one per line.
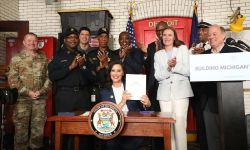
<point x="232" y="115"/>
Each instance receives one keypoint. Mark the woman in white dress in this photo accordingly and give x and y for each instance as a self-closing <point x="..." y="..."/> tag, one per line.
<point x="172" y="72"/>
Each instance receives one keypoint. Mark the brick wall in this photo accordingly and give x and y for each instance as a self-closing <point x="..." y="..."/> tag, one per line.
<point x="44" y="19"/>
<point x="8" y="11"/>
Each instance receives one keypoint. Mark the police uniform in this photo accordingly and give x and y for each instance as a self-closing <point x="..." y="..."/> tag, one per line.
<point x="101" y="76"/>
<point x="29" y="73"/>
<point x="196" y="101"/>
<point x="71" y="85"/>
<point x="94" y="62"/>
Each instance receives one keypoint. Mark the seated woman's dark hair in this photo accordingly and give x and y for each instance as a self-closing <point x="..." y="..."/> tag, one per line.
<point x="116" y="62"/>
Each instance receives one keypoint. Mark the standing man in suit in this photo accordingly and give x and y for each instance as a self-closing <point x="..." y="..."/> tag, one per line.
<point x="132" y="58"/>
<point x="152" y="84"/>
<point x="196" y="86"/>
<point x="216" y="37"/>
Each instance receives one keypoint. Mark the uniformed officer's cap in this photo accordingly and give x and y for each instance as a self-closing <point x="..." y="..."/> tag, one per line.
<point x="69" y="31"/>
<point x="103" y="30"/>
<point x="204" y="25"/>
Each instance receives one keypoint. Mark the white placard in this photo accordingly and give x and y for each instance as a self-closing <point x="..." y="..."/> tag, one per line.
<point x="220" y="67"/>
<point x="136" y="85"/>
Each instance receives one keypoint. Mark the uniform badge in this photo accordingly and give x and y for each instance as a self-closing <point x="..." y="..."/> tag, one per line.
<point x="106" y="120"/>
<point x="64" y="60"/>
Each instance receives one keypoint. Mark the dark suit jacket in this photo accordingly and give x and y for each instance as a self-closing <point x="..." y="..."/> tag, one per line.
<point x="107" y="94"/>
<point x="93" y="62"/>
<point x="149" y="66"/>
<point x="133" y="62"/>
<point x="209" y="91"/>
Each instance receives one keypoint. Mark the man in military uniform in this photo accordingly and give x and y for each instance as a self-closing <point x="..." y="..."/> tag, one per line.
<point x="28" y="73"/>
<point x="99" y="59"/>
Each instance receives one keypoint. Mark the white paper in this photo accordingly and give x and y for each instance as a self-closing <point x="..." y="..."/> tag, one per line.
<point x="136" y="85"/>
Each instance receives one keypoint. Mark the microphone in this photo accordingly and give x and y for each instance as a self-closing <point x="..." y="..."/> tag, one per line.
<point x="246" y="47"/>
<point x="240" y="44"/>
<point x="230" y="41"/>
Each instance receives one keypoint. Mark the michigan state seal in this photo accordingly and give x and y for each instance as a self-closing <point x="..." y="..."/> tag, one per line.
<point x="106" y="120"/>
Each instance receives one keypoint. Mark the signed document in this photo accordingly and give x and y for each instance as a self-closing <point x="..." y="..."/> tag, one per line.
<point x="136" y="85"/>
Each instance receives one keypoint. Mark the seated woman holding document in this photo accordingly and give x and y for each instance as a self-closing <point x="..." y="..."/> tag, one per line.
<point x="172" y="72"/>
<point x="115" y="93"/>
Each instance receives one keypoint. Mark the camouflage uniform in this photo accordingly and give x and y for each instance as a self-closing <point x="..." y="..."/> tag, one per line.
<point x="29" y="73"/>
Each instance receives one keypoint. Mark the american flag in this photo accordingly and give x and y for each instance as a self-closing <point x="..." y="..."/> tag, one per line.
<point x="194" y="38"/>
<point x="130" y="30"/>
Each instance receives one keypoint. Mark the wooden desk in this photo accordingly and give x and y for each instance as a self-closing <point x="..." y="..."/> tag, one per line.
<point x="136" y="124"/>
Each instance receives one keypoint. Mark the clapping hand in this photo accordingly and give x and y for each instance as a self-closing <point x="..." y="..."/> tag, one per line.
<point x="124" y="50"/>
<point x="103" y="58"/>
<point x="171" y="63"/>
<point x="73" y="64"/>
<point x="80" y="59"/>
<point x="197" y="50"/>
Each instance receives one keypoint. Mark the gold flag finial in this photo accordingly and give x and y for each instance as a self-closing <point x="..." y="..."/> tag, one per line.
<point x="195" y="7"/>
<point x="130" y="11"/>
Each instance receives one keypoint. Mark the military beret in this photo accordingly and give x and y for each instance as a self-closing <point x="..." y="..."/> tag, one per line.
<point x="103" y="30"/>
<point x="204" y="25"/>
<point x="69" y="31"/>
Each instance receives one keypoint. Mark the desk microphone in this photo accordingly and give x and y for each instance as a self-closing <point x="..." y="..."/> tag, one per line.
<point x="240" y="44"/>
<point x="243" y="45"/>
<point x="230" y="41"/>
